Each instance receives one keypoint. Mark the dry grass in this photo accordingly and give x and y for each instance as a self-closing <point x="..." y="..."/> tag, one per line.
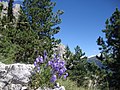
<point x="70" y="85"/>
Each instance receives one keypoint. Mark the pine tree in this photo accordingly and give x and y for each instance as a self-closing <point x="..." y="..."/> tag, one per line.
<point x="43" y="21"/>
<point x="110" y="49"/>
<point x="79" y="68"/>
<point x="32" y="33"/>
<point x="67" y="52"/>
<point x="78" y="53"/>
<point x="68" y="57"/>
<point x="7" y="48"/>
<point x="10" y="10"/>
<point x="27" y="39"/>
<point x="18" y="42"/>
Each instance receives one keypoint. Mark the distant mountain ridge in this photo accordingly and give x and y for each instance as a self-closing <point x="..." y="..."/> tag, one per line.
<point x="95" y="60"/>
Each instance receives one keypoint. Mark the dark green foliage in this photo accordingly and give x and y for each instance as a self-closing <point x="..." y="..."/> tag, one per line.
<point x="82" y="71"/>
<point x="43" y="21"/>
<point x="42" y="78"/>
<point x="110" y="49"/>
<point x="97" y="75"/>
<point x="78" y="72"/>
<point x="1" y="7"/>
<point x="28" y="42"/>
<point x="10" y="10"/>
<point x="67" y="52"/>
<point x="77" y="68"/>
<point x="27" y="39"/>
<point x="18" y="41"/>
<point x="78" y="53"/>
<point x="68" y="56"/>
<point x="7" y="48"/>
<point x="33" y="31"/>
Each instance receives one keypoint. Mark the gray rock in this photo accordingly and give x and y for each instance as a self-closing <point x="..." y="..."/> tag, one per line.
<point x="24" y="88"/>
<point x="2" y="85"/>
<point x="62" y="88"/>
<point x="14" y="76"/>
<point x="13" y="87"/>
<point x="59" y="88"/>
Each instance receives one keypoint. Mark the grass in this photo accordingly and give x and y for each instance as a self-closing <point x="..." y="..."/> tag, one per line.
<point x="70" y="85"/>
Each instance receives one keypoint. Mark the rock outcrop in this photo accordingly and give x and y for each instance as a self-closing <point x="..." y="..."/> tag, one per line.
<point x="60" y="49"/>
<point x="16" y="9"/>
<point x="16" y="77"/>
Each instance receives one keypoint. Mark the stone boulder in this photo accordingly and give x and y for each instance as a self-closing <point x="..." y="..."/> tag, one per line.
<point x="14" y="75"/>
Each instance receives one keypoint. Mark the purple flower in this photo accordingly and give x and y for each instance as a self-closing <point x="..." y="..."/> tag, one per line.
<point x="64" y="68"/>
<point x="61" y="71"/>
<point x="57" y="66"/>
<point x="63" y="62"/>
<point x="49" y="63"/>
<point x="55" y="56"/>
<point x="56" y="69"/>
<point x="35" y="63"/>
<point x="61" y="65"/>
<point x="65" y="76"/>
<point x="45" y="54"/>
<point x="37" y="59"/>
<point x="53" y="78"/>
<point x="59" y="74"/>
<point x="38" y="69"/>
<point x="54" y="65"/>
<point x="41" y="59"/>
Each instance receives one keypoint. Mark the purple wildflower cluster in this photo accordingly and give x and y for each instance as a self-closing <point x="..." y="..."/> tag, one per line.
<point x="40" y="60"/>
<point x="57" y="66"/>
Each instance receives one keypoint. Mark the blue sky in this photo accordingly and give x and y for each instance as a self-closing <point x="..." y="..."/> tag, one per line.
<point x="83" y="21"/>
